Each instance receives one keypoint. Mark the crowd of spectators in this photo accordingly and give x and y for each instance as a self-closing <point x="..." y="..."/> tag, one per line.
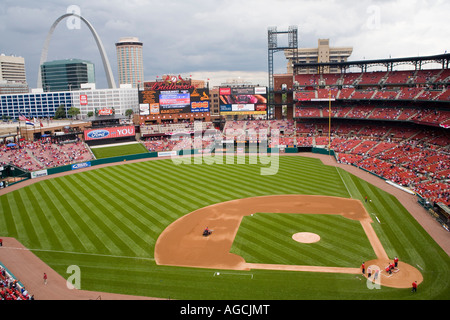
<point x="10" y="288"/>
<point x="429" y="116"/>
<point x="415" y="162"/>
<point x="40" y="154"/>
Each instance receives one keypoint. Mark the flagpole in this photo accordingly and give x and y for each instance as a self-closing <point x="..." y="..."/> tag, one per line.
<point x="329" y="122"/>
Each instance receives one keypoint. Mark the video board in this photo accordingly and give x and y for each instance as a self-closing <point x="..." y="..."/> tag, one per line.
<point x="240" y="101"/>
<point x="190" y="100"/>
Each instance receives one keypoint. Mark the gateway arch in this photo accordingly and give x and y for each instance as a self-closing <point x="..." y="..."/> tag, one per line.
<point x="101" y="49"/>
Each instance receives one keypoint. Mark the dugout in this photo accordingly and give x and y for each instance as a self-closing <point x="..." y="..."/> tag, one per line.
<point x="10" y="174"/>
<point x="443" y="211"/>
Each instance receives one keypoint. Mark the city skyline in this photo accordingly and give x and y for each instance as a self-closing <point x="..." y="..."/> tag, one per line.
<point x="220" y="40"/>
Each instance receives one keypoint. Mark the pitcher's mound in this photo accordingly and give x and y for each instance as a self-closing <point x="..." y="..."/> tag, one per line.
<point x="306" y="237"/>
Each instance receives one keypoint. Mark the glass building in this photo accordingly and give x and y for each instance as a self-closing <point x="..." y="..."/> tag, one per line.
<point x="66" y="75"/>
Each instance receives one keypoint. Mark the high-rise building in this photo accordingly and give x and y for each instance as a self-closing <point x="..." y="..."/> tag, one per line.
<point x="66" y="75"/>
<point x="323" y="53"/>
<point x="12" y="75"/>
<point x="130" y="62"/>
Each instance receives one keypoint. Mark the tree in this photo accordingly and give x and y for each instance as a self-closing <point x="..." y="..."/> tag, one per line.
<point x="73" y="112"/>
<point x="90" y="114"/>
<point x="60" y="113"/>
<point x="129" y="112"/>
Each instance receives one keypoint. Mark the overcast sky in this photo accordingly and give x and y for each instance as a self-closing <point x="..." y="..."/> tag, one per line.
<point x="221" y="40"/>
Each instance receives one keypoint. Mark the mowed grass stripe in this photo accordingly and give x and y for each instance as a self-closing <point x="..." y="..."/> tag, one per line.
<point x="85" y="216"/>
<point x="275" y="233"/>
<point x="172" y="179"/>
<point x="20" y="204"/>
<point x="78" y="238"/>
<point x="9" y="215"/>
<point x="141" y="227"/>
<point x="58" y="224"/>
<point x="144" y="196"/>
<point x="135" y="210"/>
<point x="113" y="234"/>
<point x="174" y="201"/>
<point x="202" y="183"/>
<point x="260" y="248"/>
<point x="307" y="176"/>
<point x="251" y="237"/>
<point x="48" y="237"/>
<point x="21" y="219"/>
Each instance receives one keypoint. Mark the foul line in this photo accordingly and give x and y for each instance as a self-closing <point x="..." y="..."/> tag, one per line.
<point x="348" y="191"/>
<point x="79" y="253"/>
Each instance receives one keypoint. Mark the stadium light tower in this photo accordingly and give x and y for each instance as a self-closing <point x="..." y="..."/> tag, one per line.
<point x="272" y="36"/>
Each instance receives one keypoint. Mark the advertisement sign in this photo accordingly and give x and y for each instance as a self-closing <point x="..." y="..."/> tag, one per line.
<point x="225" y="91"/>
<point x="154" y="108"/>
<point x="39" y="173"/>
<point x="202" y="106"/>
<point x="260" y="90"/>
<point x="242" y="107"/>
<point x="243" y="101"/>
<point x="81" y="165"/>
<point x="144" y="109"/>
<point x="109" y="133"/>
<point x="105" y="112"/>
<point x="83" y="100"/>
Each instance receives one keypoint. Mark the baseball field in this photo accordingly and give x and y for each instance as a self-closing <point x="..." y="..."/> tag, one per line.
<point x="110" y="221"/>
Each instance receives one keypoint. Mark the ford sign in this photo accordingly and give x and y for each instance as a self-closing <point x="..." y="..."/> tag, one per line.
<point x="81" y="165"/>
<point x="98" y="134"/>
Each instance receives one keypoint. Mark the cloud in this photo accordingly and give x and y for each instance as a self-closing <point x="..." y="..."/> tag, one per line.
<point x="184" y="37"/>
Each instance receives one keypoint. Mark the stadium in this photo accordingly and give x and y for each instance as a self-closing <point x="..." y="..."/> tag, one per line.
<point x="360" y="175"/>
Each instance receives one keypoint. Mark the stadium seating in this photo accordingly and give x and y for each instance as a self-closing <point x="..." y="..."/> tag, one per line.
<point x="399" y="77"/>
<point x="305" y="95"/>
<point x="372" y="78"/>
<point x="409" y="93"/>
<point x="363" y="94"/>
<point x="11" y="289"/>
<point x="425" y="76"/>
<point x="385" y="94"/>
<point x="307" y="79"/>
<point x="331" y="79"/>
<point x="349" y="79"/>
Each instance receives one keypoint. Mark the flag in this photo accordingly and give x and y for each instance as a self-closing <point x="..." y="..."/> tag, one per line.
<point x="23" y="118"/>
<point x="29" y="123"/>
<point x="41" y="124"/>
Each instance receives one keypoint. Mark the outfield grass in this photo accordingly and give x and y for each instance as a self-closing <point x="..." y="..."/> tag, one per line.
<point x="120" y="150"/>
<point x="107" y="222"/>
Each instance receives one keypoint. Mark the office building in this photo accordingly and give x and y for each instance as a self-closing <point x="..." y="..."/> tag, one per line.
<point x="12" y="75"/>
<point x="66" y="75"/>
<point x="41" y="104"/>
<point x="323" y="53"/>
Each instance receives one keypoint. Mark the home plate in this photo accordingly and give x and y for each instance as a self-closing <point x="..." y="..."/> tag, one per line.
<point x="306" y="237"/>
